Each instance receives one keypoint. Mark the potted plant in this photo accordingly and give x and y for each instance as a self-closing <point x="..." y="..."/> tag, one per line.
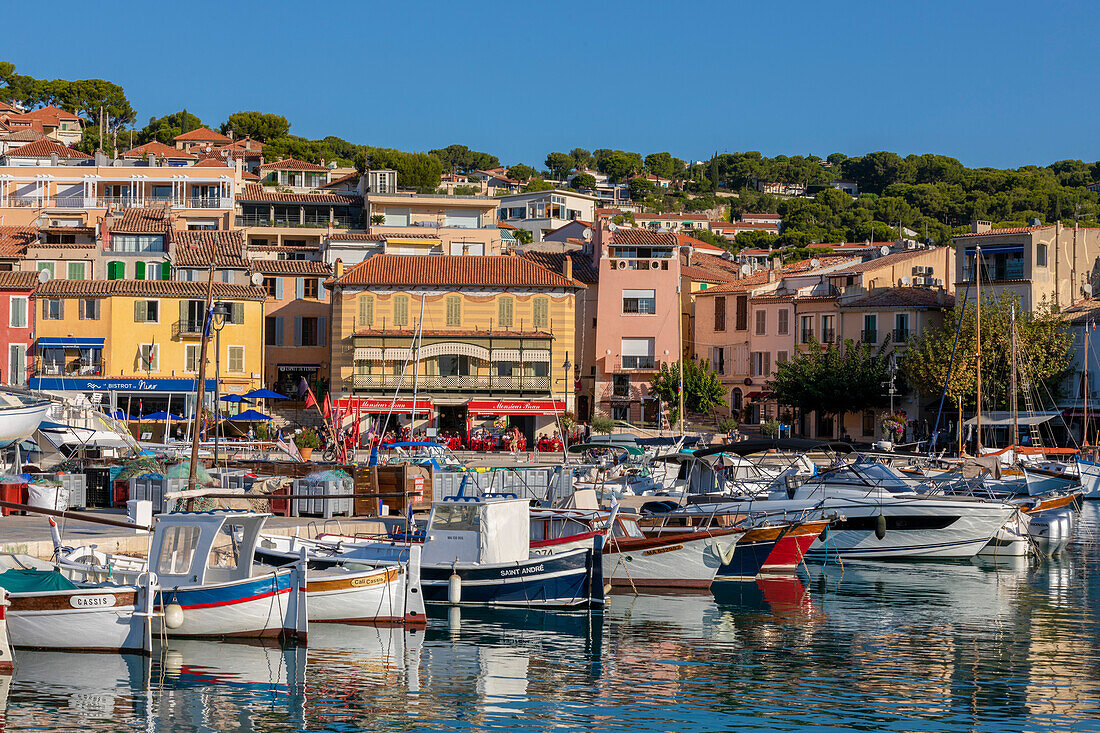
<point x="307" y="440"/>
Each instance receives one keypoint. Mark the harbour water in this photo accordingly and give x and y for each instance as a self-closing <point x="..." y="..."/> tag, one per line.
<point x="1011" y="645"/>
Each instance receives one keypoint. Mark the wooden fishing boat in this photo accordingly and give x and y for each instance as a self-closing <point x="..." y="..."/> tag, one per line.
<point x="46" y="610"/>
<point x="207" y="592"/>
<point x="790" y="549"/>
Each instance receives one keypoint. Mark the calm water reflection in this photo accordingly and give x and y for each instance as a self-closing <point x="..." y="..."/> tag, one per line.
<point x="988" y="646"/>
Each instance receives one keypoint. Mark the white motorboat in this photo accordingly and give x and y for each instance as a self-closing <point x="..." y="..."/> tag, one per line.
<point x="880" y="515"/>
<point x="20" y="416"/>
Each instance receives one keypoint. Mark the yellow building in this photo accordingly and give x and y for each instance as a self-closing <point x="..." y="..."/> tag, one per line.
<point x="135" y="344"/>
<point x="496" y="334"/>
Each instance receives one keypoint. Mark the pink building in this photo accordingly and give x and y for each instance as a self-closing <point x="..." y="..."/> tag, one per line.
<point x="16" y="324"/>
<point x="636" y="325"/>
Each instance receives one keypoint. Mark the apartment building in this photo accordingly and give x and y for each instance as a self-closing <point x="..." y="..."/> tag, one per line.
<point x="296" y="323"/>
<point x="1048" y="265"/>
<point x="637" y="325"/>
<point x="269" y="217"/>
<point x="297" y="175"/>
<point x="17" y="313"/>
<point x="135" y="344"/>
<point x="492" y="344"/>
<point x="541" y="212"/>
<point x="55" y="123"/>
<point x="673" y="222"/>
<point x="452" y="225"/>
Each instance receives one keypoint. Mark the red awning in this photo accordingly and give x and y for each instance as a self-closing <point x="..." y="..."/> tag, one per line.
<point x="515" y="407"/>
<point x="757" y="396"/>
<point x="382" y="405"/>
<point x="1079" y="413"/>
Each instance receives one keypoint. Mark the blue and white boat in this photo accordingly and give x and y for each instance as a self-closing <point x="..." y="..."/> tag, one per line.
<point x="208" y="586"/>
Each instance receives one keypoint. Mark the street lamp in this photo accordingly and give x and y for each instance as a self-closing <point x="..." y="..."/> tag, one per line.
<point x="219" y="315"/>
<point x="565" y="400"/>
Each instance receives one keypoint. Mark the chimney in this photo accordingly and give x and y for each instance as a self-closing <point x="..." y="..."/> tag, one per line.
<point x="152" y="160"/>
<point x="53" y="159"/>
<point x="338" y="268"/>
<point x="567" y="267"/>
<point x="772" y="274"/>
<point x="980" y="227"/>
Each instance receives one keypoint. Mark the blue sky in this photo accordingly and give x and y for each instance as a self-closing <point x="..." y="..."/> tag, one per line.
<point x="991" y="83"/>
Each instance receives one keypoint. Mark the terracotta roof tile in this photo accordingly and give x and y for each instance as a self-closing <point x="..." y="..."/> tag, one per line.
<point x="884" y="261"/>
<point x="49" y="114"/>
<point x="342" y="179"/>
<point x="291" y="267"/>
<point x="687" y="241"/>
<point x="203" y="135"/>
<point x="200" y="248"/>
<point x="45" y="148"/>
<point x="760" y="277"/>
<point x="284" y="248"/>
<point x="158" y="288"/>
<point x="408" y="235"/>
<point x="471" y="270"/>
<point x="1006" y="230"/>
<point x="905" y="297"/>
<point x="159" y="150"/>
<point x="683" y="217"/>
<point x="18" y="280"/>
<point x="254" y="192"/>
<point x="293" y="164"/>
<point x="143" y="221"/>
<point x="352" y="237"/>
<point x="583" y="269"/>
<point x="14" y="240"/>
<point x="213" y="162"/>
<point x="643" y="237"/>
<point x="24" y="136"/>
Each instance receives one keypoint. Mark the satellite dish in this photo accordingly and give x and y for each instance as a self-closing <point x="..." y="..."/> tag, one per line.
<point x="884" y="250"/>
<point x="613" y="227"/>
<point x="815" y="263"/>
<point x="257" y="278"/>
<point x="905" y="280"/>
<point x="746" y="269"/>
<point x="43" y="277"/>
<point x="1087" y="289"/>
<point x="41" y="222"/>
<point x="587" y="234"/>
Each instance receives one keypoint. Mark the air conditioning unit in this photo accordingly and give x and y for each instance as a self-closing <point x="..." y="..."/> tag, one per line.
<point x="655" y="265"/>
<point x="622" y="264"/>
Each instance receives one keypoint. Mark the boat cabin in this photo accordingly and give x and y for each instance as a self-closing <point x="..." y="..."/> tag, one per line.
<point x="478" y="531"/>
<point x="182" y="551"/>
<point x="556" y="524"/>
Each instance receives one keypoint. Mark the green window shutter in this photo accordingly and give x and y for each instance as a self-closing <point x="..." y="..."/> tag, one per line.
<point x="400" y="310"/>
<point x="366" y="310"/>
<point x="504" y="312"/>
<point x="166" y="270"/>
<point x="139" y="270"/>
<point x="454" y="310"/>
<point x="541" y="313"/>
<point x="141" y="312"/>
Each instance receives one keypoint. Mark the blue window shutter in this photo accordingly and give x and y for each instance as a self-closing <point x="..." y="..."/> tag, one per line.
<point x="299" y="288"/>
<point x="279" y="288"/>
<point x="320" y="290"/>
<point x="297" y="330"/>
<point x="321" y="331"/>
<point x="278" y="330"/>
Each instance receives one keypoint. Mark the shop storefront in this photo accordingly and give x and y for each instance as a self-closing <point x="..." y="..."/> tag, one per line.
<point x="289" y="376"/>
<point x="533" y="418"/>
<point x="402" y="413"/>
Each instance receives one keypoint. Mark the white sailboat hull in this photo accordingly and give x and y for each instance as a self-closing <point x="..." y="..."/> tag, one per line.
<point x="18" y="422"/>
<point x="93" y="620"/>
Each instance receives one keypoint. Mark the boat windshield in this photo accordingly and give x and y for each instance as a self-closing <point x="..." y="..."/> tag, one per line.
<point x="456" y="518"/>
<point x="627" y="528"/>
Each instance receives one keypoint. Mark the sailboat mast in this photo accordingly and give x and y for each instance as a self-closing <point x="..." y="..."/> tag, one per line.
<point x="1085" y="389"/>
<point x="1015" y="405"/>
<point x="200" y="388"/>
<point x="680" y="349"/>
<point x="416" y="362"/>
<point x="978" y="340"/>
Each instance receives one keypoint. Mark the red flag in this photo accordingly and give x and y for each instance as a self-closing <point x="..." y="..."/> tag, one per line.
<point x="311" y="401"/>
<point x="328" y="408"/>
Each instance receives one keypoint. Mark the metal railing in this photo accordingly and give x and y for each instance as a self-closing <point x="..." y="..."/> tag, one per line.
<point x="73" y="368"/>
<point x="124" y="202"/>
<point x="807" y="335"/>
<point x="828" y="335"/>
<point x="188" y="327"/>
<point x="869" y="336"/>
<point x="433" y="382"/>
<point x="339" y="222"/>
<point x="635" y="364"/>
<point x="901" y="335"/>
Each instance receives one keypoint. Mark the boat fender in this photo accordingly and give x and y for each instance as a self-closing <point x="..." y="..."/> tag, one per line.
<point x="454" y="589"/>
<point x="726" y="556"/>
<point x="6" y="664"/>
<point x="824" y="536"/>
<point x="880" y="526"/>
<point x="173" y="615"/>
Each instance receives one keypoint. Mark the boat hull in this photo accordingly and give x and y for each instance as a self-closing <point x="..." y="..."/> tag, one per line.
<point x="258" y="607"/>
<point x="752" y="551"/>
<point x="565" y="580"/>
<point x="679" y="560"/>
<point x="87" y="620"/>
<point x="19" y="422"/>
<point x="371" y="597"/>
<point x="791" y="548"/>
